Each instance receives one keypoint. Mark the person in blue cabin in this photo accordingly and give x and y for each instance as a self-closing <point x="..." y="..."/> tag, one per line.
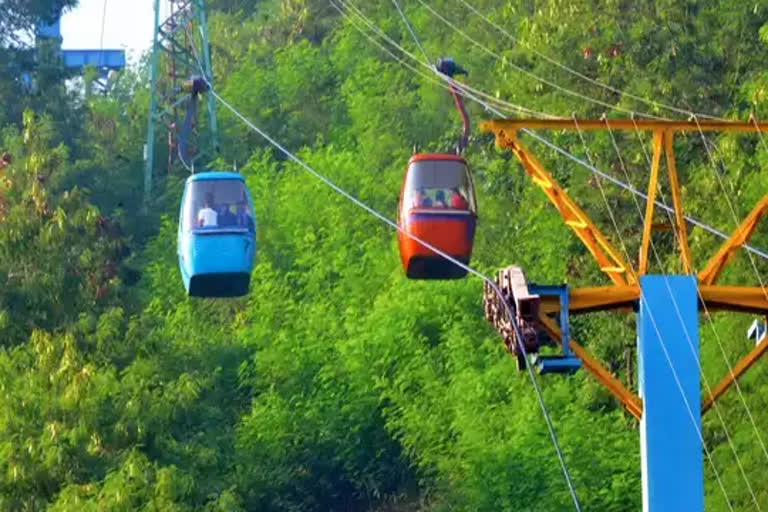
<point x="226" y="217"/>
<point x="243" y="217"/>
<point x="207" y="216"/>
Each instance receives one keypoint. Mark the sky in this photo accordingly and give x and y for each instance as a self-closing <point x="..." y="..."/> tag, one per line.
<point x="128" y="25"/>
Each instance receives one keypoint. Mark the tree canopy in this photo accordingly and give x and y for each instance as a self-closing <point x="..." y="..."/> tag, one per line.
<point x="337" y="384"/>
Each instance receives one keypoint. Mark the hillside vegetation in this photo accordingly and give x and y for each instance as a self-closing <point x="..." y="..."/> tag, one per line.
<point x="337" y="384"/>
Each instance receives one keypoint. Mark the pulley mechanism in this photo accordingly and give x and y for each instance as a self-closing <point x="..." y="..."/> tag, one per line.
<point x="524" y="301"/>
<point x="448" y="67"/>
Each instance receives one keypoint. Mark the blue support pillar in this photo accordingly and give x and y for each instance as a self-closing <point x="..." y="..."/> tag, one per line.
<point x="670" y="440"/>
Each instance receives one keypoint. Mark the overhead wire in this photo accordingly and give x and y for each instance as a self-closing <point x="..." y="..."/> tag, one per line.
<point x="101" y="38"/>
<point x="437" y="251"/>
<point x="431" y="76"/>
<point x="694" y="351"/>
<point x="710" y="320"/>
<point x="577" y="73"/>
<point x="410" y="29"/>
<point x="467" y="268"/>
<point x="757" y="274"/>
<point x="538" y="78"/>
<point x="669" y="361"/>
<point x="519" y="108"/>
<point x="672" y="365"/>
<point x="675" y="373"/>
<point x="510" y="316"/>
<point x="725" y="428"/>
<point x="525" y="71"/>
<point x="641" y="194"/>
<point x="644" y="301"/>
<point x="728" y="199"/>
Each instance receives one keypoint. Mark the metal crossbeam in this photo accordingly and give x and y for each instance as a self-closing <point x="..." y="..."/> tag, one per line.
<point x="740" y="299"/>
<point x="744" y="364"/>
<point x="608" y="259"/>
<point x="512" y="125"/>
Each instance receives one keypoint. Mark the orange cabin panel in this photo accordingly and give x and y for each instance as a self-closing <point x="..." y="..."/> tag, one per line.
<point x="437" y="206"/>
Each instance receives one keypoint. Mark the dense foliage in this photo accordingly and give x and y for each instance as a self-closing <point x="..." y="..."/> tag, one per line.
<point x="337" y="384"/>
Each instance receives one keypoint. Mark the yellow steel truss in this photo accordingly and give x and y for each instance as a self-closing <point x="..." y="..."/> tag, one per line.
<point x="631" y="402"/>
<point x="717" y="263"/>
<point x="741" y="299"/>
<point x="625" y="291"/>
<point x="602" y="250"/>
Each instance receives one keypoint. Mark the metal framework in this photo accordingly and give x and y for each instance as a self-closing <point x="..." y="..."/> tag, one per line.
<point x="181" y="46"/>
<point x="625" y="291"/>
<point x="102" y="60"/>
<point x="666" y="305"/>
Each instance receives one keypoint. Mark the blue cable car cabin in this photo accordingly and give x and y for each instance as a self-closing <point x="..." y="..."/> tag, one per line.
<point x="217" y="235"/>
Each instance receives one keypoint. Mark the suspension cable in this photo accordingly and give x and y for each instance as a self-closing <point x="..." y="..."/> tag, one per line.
<point x="653" y="323"/>
<point x="410" y="29"/>
<point x="728" y="199"/>
<point x="580" y="75"/>
<point x="432" y="76"/>
<point x="484" y="278"/>
<point x="386" y="220"/>
<point x="435" y="78"/>
<point x="710" y="320"/>
<point x="669" y="361"/>
<point x="687" y="335"/>
<point x="525" y="71"/>
<point x="680" y="316"/>
<point x="442" y="254"/>
<point x="503" y="105"/>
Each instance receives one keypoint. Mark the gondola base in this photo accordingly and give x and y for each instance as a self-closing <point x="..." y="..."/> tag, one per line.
<point x="234" y="284"/>
<point x="422" y="267"/>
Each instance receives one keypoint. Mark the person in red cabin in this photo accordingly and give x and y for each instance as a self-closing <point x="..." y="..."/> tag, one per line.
<point x="457" y="200"/>
<point x="440" y="201"/>
<point x="420" y="199"/>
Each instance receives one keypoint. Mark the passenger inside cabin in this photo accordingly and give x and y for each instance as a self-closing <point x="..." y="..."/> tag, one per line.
<point x="457" y="200"/>
<point x="226" y="217"/>
<point x="440" y="200"/>
<point x="207" y="216"/>
<point x="420" y="198"/>
<point x="244" y="218"/>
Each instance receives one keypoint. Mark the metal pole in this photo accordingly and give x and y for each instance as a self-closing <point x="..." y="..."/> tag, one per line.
<point x="150" y="148"/>
<point x="670" y="427"/>
<point x="210" y="100"/>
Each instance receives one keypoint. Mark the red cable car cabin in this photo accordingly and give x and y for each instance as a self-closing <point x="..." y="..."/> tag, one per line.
<point x="437" y="205"/>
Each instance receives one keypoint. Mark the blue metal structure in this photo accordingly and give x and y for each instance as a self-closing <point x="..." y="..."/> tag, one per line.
<point x="50" y="30"/>
<point x="668" y="368"/>
<point x="215" y="260"/>
<point x="565" y="362"/>
<point x="103" y="60"/>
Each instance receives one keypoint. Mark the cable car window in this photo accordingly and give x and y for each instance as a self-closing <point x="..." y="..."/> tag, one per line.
<point x="439" y="184"/>
<point x="217" y="204"/>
